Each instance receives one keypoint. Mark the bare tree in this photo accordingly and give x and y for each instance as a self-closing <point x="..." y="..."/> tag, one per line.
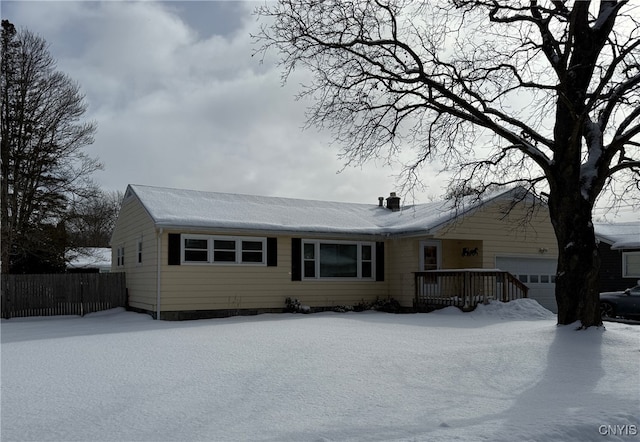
<point x="542" y="94"/>
<point x="43" y="164"/>
<point x="90" y="221"/>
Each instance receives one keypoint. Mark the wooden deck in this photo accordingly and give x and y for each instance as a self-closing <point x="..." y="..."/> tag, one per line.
<point x="465" y="288"/>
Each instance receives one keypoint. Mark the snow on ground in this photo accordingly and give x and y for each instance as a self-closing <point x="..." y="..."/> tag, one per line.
<point x="505" y="372"/>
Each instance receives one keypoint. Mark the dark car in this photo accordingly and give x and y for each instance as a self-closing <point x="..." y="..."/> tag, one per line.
<point x="624" y="304"/>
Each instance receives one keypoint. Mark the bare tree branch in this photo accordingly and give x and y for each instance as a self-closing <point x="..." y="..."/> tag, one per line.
<point x="542" y="94"/>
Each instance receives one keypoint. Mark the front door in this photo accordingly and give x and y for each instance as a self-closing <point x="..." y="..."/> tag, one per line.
<point x="430" y="259"/>
<point x="430" y="256"/>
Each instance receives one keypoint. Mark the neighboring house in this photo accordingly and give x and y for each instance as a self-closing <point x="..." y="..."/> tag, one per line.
<point x="89" y="260"/>
<point x="619" y="246"/>
<point x="190" y="254"/>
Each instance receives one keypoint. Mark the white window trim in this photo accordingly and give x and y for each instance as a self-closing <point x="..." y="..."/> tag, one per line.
<point x="625" y="274"/>
<point x="238" y="250"/>
<point x="317" y="243"/>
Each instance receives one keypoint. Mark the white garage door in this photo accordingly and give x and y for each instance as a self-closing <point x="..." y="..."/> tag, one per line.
<point x="536" y="273"/>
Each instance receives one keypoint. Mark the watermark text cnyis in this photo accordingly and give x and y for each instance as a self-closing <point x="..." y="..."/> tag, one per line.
<point x="618" y="430"/>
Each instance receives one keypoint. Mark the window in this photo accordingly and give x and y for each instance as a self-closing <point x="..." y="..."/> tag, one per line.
<point x="321" y="259"/>
<point x="366" y="263"/>
<point x="252" y="251"/>
<point x="309" y="260"/>
<point x="120" y="256"/>
<point x="338" y="260"/>
<point x="631" y="264"/>
<point x="537" y="279"/>
<point x="523" y="278"/>
<point x="140" y="252"/>
<point x="196" y="250"/>
<point x="223" y="250"/>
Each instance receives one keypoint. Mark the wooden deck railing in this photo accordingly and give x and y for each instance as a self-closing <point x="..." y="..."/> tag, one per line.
<point x="466" y="288"/>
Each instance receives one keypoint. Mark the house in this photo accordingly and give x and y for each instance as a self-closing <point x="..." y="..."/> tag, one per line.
<point x="191" y="254"/>
<point x="89" y="260"/>
<point x="619" y="247"/>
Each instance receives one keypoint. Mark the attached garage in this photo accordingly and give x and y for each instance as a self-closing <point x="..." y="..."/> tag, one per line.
<point x="539" y="274"/>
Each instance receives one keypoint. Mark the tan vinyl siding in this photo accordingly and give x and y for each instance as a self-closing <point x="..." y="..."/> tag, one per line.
<point x="453" y="257"/>
<point x="487" y="230"/>
<point x="133" y="225"/>
<point x="213" y="287"/>
<point x="403" y="259"/>
<point x="502" y="236"/>
<point x="189" y="287"/>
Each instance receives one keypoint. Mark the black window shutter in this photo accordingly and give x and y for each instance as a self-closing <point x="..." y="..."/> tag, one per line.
<point x="272" y="252"/>
<point x="379" y="261"/>
<point x="296" y="259"/>
<point x="174" y="249"/>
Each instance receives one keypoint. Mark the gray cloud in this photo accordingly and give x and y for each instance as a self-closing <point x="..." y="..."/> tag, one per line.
<point x="180" y="102"/>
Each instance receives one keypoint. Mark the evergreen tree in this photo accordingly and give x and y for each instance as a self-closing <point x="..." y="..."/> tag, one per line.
<point x="42" y="161"/>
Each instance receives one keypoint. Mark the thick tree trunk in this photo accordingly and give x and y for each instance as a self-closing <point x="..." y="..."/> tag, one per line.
<point x="577" y="279"/>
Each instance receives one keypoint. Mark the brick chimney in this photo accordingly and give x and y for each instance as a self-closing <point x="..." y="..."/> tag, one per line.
<point x="393" y="202"/>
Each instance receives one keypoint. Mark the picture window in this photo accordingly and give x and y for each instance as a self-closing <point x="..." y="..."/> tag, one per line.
<point x="326" y="260"/>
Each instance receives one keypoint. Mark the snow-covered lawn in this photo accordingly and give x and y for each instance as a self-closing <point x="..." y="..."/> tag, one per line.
<point x="505" y="372"/>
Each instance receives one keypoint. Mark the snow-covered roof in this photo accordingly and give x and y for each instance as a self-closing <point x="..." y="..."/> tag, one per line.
<point x="176" y="208"/>
<point x="619" y="235"/>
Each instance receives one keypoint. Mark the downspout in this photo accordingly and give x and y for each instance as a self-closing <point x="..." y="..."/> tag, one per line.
<point x="159" y="265"/>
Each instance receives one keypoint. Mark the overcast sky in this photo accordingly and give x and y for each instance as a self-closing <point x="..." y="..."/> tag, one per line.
<point x="180" y="102"/>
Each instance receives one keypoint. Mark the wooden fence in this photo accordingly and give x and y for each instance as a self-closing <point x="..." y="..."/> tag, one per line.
<point x="61" y="294"/>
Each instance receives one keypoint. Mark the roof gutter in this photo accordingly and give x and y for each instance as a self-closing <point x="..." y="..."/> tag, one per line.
<point x="365" y="235"/>
<point x="158" y="268"/>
